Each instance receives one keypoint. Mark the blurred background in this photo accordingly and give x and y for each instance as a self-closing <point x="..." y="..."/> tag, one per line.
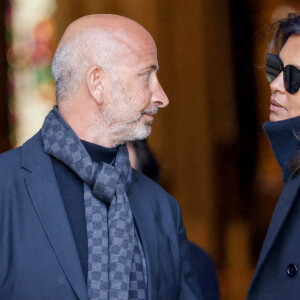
<point x="214" y="156"/>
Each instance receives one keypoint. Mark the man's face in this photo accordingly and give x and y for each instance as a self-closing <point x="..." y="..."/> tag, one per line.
<point x="135" y="95"/>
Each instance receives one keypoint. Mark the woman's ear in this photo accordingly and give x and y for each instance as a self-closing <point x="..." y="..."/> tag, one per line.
<point x="94" y="79"/>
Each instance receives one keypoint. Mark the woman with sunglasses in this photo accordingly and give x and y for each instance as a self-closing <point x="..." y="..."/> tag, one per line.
<point x="277" y="274"/>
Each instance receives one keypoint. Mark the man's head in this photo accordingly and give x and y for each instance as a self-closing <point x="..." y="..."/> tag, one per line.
<point x="105" y="71"/>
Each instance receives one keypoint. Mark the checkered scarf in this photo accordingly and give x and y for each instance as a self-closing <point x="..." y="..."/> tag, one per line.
<point x="116" y="263"/>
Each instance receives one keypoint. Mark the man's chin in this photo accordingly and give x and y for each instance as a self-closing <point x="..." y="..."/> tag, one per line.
<point x="147" y="132"/>
<point x="138" y="135"/>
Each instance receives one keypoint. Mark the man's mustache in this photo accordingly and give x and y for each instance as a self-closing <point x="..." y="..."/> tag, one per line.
<point x="153" y="111"/>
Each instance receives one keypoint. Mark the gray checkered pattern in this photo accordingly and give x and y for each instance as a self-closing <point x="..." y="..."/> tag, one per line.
<point x="117" y="266"/>
<point x="97" y="233"/>
<point x="138" y="277"/>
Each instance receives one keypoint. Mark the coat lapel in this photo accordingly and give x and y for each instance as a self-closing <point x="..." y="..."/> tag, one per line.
<point x="46" y="198"/>
<point x="145" y="223"/>
<point x="282" y="209"/>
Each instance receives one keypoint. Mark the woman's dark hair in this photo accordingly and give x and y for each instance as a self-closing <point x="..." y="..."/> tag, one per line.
<point x="284" y="29"/>
<point x="146" y="162"/>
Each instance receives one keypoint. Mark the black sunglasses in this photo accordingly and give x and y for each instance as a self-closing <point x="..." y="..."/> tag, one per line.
<point x="291" y="74"/>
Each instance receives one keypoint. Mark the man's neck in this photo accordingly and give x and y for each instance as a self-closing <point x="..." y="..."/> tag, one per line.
<point x="89" y="127"/>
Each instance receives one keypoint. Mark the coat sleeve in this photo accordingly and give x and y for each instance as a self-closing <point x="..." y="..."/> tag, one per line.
<point x="189" y="284"/>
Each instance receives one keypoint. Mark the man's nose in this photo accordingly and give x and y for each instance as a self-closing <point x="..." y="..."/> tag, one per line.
<point x="159" y="97"/>
<point x="277" y="84"/>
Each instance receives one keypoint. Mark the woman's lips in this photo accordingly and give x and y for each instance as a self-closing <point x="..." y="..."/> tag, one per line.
<point x="275" y="106"/>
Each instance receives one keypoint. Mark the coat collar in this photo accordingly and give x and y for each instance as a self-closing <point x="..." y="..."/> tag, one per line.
<point x="284" y="138"/>
<point x="46" y="199"/>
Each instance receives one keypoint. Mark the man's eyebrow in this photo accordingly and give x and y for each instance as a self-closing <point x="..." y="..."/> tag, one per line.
<point x="151" y="68"/>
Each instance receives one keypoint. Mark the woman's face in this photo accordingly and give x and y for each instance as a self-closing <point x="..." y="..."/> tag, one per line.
<point x="285" y="105"/>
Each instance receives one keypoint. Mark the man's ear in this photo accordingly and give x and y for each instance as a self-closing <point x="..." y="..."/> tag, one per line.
<point x="94" y="79"/>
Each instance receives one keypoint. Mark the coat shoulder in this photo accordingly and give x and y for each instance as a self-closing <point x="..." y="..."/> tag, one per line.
<point x="147" y="183"/>
<point x="10" y="160"/>
<point x="150" y="186"/>
<point x="157" y="196"/>
<point x="13" y="163"/>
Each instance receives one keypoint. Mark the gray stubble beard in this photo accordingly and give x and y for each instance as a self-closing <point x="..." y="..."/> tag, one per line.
<point x="125" y="130"/>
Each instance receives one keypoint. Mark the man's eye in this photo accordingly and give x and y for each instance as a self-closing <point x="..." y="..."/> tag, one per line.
<point x="146" y="77"/>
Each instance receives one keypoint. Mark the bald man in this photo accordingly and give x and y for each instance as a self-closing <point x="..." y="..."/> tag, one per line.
<point x="76" y="222"/>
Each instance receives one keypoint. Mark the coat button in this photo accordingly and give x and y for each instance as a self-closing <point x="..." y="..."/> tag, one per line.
<point x="291" y="270"/>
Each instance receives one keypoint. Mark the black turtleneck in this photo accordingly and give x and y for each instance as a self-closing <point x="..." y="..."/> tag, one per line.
<point x="284" y="142"/>
<point x="71" y="189"/>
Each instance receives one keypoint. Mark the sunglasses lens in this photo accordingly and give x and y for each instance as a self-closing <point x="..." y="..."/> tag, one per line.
<point x="291" y="78"/>
<point x="273" y="67"/>
<point x="270" y="76"/>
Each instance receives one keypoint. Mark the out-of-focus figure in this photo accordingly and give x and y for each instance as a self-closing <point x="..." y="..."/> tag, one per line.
<point x="143" y="160"/>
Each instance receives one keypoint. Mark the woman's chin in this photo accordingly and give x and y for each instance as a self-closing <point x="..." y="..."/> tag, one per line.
<point x="278" y="116"/>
